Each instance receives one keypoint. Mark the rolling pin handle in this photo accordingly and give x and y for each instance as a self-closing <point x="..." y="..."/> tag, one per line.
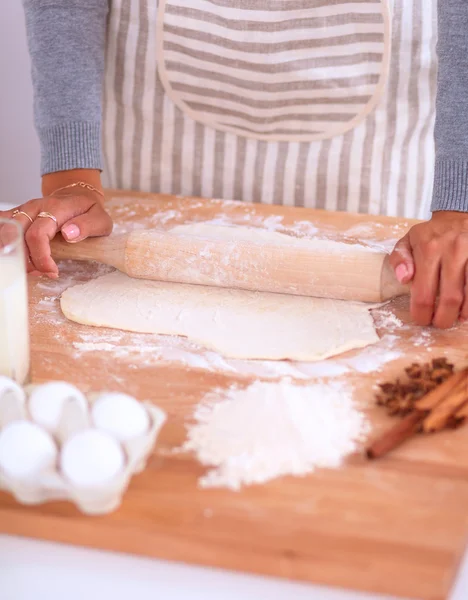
<point x="108" y="250"/>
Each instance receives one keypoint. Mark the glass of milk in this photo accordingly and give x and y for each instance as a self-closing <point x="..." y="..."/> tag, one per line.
<point x="14" y="329"/>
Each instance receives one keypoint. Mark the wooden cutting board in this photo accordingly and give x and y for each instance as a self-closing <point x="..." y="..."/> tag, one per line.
<point x="397" y="526"/>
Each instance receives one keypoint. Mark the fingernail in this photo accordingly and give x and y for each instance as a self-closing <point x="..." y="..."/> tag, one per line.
<point x="70" y="232"/>
<point x="52" y="275"/>
<point x="401" y="272"/>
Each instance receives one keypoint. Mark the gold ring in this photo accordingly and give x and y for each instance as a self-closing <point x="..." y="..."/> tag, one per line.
<point x="20" y="212"/>
<point x="47" y="215"/>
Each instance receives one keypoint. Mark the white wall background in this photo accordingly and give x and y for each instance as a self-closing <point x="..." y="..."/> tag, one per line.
<point x="19" y="148"/>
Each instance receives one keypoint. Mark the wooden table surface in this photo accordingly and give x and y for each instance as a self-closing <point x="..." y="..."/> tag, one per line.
<point x="397" y="526"/>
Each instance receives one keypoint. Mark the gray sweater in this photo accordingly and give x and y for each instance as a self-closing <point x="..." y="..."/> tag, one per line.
<point x="67" y="46"/>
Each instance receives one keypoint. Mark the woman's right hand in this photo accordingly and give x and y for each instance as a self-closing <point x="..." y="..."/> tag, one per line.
<point x="78" y="214"/>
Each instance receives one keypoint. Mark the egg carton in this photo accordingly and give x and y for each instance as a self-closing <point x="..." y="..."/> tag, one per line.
<point x="76" y="416"/>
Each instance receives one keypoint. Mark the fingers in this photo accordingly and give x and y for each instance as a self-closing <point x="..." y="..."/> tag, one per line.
<point x="452" y="290"/>
<point x="38" y="237"/>
<point x="425" y="282"/>
<point x="439" y="255"/>
<point x="6" y="214"/>
<point x="8" y="234"/>
<point x="43" y="229"/>
<point x="93" y="223"/>
<point x="77" y="216"/>
<point x="24" y="222"/>
<point x="20" y="218"/>
<point x="401" y="259"/>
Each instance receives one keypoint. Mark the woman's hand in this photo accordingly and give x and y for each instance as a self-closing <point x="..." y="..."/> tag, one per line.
<point x="434" y="257"/>
<point x="78" y="215"/>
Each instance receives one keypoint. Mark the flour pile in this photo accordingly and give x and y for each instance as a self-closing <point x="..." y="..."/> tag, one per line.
<point x="268" y="430"/>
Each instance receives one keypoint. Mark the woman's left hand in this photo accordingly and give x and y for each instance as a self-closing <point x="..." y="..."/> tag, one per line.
<point x="433" y="256"/>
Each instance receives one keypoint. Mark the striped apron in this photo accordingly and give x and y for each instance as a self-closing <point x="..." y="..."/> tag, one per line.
<point x="317" y="103"/>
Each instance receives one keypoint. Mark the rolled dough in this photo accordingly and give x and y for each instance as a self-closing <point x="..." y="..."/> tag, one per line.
<point x="236" y="323"/>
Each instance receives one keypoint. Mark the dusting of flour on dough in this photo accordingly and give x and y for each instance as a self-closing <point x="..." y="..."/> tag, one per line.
<point x="252" y="435"/>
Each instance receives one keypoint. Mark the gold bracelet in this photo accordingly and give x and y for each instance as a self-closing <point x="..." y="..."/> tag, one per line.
<point x="81" y="184"/>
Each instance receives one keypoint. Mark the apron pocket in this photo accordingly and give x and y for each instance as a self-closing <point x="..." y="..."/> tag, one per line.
<point x="275" y="70"/>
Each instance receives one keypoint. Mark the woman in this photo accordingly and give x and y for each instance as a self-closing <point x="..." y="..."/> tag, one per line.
<point x="319" y="103"/>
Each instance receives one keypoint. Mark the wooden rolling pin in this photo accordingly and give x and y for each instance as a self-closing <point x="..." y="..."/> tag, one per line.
<point x="164" y="256"/>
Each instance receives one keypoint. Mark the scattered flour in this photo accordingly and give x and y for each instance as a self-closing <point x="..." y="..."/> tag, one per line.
<point x="364" y="229"/>
<point x="93" y="346"/>
<point x="371" y="229"/>
<point x="388" y="320"/>
<point x="423" y="337"/>
<point x="372" y="359"/>
<point x="379" y="245"/>
<point x="266" y="430"/>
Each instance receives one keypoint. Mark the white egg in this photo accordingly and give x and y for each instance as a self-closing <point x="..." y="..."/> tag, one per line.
<point x="47" y="402"/>
<point x="12" y="401"/>
<point x="10" y="388"/>
<point x="121" y="415"/>
<point x="91" y="458"/>
<point x="26" y="450"/>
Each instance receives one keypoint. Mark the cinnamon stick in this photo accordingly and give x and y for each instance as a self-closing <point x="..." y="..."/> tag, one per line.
<point x="438" y="418"/>
<point x="412" y="422"/>
<point x="396" y="435"/>
<point x="432" y="399"/>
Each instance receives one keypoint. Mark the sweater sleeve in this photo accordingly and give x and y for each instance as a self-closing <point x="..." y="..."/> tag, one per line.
<point x="451" y="129"/>
<point x="66" y="40"/>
